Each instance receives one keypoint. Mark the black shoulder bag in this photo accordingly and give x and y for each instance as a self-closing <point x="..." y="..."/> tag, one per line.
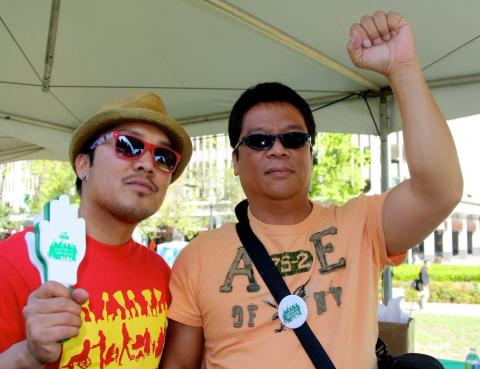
<point x="277" y="286"/>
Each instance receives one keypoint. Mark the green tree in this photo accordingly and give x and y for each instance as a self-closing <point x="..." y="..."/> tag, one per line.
<point x="4" y="169"/>
<point x="337" y="173"/>
<point x="6" y="222"/>
<point x="205" y="183"/>
<point x="233" y="192"/>
<point x="55" y="178"/>
<point x="177" y="211"/>
<point x="186" y="206"/>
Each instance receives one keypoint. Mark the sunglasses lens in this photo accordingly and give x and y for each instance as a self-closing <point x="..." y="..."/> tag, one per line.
<point x="294" y="140"/>
<point x="259" y="141"/>
<point x="290" y="140"/>
<point x="129" y="146"/>
<point x="165" y="159"/>
<point x="132" y="148"/>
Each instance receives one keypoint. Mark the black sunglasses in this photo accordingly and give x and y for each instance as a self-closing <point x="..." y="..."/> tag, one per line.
<point x="128" y="147"/>
<point x="264" y="141"/>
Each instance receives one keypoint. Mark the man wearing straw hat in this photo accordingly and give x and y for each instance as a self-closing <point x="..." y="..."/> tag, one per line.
<point x="125" y="157"/>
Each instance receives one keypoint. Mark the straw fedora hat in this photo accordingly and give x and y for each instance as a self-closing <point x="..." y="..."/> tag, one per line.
<point x="145" y="107"/>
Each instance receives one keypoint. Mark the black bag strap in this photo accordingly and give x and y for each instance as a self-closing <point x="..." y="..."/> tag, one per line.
<point x="277" y="286"/>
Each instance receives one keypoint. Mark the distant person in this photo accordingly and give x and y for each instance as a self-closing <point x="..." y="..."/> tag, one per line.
<point x="424" y="278"/>
<point x="331" y="257"/>
<point x="416" y="259"/>
<point x="125" y="157"/>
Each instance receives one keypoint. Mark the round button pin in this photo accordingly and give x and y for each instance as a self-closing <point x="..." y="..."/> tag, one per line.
<point x="292" y="311"/>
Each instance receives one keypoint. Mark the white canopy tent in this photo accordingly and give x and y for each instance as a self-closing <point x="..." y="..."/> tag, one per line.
<point x="60" y="60"/>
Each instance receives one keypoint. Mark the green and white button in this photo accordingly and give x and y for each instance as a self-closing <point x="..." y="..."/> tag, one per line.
<point x="292" y="311"/>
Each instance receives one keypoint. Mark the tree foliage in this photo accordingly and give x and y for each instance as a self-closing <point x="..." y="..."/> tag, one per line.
<point x="3" y="175"/>
<point x="177" y="212"/>
<point x="207" y="190"/>
<point x="6" y="222"/>
<point x="337" y="175"/>
<point x="55" y="178"/>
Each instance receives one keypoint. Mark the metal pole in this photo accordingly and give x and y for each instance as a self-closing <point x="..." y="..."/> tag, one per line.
<point x="385" y="161"/>
<point x="52" y="38"/>
<point x="288" y="40"/>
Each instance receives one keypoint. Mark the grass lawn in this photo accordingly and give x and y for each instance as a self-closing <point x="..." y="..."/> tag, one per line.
<point x="446" y="336"/>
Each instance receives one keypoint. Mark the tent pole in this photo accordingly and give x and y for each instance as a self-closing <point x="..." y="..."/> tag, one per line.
<point x="50" y="51"/>
<point x="385" y="160"/>
<point x="288" y="40"/>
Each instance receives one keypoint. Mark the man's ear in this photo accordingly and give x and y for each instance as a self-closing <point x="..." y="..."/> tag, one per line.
<point x="82" y="163"/>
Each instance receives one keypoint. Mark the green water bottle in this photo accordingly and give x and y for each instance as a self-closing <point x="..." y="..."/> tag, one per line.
<point x="472" y="361"/>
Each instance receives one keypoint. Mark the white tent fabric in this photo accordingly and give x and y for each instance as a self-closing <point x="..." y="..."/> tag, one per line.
<point x="200" y="58"/>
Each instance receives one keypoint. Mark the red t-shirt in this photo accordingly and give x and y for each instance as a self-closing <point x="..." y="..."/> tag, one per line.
<point x="125" y="318"/>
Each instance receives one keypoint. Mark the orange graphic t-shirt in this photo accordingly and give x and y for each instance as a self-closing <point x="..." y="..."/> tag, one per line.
<point x="332" y="259"/>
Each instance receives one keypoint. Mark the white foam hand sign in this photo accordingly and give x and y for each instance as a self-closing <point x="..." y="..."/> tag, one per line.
<point x="60" y="241"/>
<point x="32" y="254"/>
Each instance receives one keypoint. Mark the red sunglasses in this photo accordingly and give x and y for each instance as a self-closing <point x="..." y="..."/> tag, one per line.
<point x="129" y="147"/>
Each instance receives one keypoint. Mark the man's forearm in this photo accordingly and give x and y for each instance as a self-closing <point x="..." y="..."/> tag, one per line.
<point x="18" y="356"/>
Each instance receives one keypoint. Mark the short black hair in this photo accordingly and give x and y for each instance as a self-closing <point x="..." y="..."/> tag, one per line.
<point x="267" y="92"/>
